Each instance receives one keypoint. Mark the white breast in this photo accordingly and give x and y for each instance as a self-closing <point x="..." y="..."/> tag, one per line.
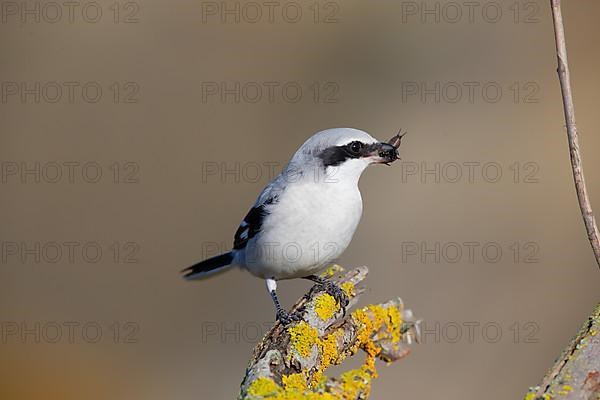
<point x="309" y="227"/>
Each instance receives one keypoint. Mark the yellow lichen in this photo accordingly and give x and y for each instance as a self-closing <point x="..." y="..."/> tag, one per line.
<point x="294" y="388"/>
<point x="295" y="382"/>
<point x="356" y="382"/>
<point x="328" y="349"/>
<point x="533" y="396"/>
<point x="394" y="324"/>
<point x="325" y="306"/>
<point x="388" y="316"/>
<point x="303" y="338"/>
<point x="263" y="387"/>
<point x="331" y="271"/>
<point x="371" y="320"/>
<point x="348" y="287"/>
<point x="565" y="390"/>
<point x="366" y="327"/>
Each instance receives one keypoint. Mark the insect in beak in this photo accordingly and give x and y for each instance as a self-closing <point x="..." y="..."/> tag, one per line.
<point x="397" y="139"/>
<point x="395" y="142"/>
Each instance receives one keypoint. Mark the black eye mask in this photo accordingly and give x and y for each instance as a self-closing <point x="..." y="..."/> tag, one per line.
<point x="335" y="155"/>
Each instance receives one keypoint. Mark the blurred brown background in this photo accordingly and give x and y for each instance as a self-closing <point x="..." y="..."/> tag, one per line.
<point x="110" y="327"/>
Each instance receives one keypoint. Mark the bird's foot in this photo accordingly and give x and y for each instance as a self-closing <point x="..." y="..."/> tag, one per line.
<point x="337" y="293"/>
<point x="287" y="318"/>
<point x="333" y="289"/>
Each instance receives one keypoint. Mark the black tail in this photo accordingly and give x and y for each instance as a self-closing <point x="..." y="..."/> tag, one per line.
<point x="208" y="267"/>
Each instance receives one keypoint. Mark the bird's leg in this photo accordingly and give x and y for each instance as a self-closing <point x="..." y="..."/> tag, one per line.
<point x="281" y="315"/>
<point x="331" y="288"/>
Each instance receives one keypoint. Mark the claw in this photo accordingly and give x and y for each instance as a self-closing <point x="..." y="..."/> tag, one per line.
<point x="338" y="294"/>
<point x="333" y="289"/>
<point x="286" y="318"/>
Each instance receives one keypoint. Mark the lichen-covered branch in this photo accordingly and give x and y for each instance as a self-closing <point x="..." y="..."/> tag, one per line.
<point x="290" y="361"/>
<point x="576" y="373"/>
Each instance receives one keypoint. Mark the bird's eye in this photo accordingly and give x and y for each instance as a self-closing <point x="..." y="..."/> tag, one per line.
<point x="355" y="147"/>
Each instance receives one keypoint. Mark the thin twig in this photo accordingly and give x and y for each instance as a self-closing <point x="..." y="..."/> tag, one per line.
<point x="569" y="109"/>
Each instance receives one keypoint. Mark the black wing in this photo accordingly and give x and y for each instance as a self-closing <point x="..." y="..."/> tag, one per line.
<point x="252" y="224"/>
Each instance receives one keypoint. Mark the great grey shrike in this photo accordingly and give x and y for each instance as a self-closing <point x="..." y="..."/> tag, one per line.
<point x="306" y="216"/>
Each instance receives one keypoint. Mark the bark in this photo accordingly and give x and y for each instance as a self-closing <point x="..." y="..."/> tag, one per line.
<point x="576" y="373"/>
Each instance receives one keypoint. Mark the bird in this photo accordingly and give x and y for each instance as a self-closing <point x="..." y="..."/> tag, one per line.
<point x="305" y="217"/>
